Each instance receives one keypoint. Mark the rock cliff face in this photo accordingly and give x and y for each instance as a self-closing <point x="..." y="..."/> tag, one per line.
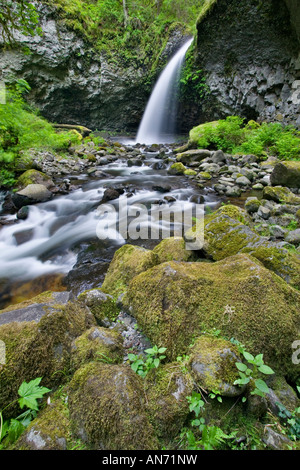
<point x="249" y="53"/>
<point x="74" y="83"/>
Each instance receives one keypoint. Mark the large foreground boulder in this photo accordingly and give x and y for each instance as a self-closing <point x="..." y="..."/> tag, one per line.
<point x="107" y="405"/>
<point x="175" y="301"/>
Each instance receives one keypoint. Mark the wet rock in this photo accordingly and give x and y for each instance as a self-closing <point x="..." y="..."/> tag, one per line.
<point x="23" y="213"/>
<point x="293" y="237"/>
<point x="252" y="205"/>
<point x="107" y="408"/>
<point x="276" y="441"/>
<point x="286" y="174"/>
<point x="212" y="362"/>
<point x="110" y="194"/>
<point x="34" y="309"/>
<point x="32" y="194"/>
<point x="193" y="155"/>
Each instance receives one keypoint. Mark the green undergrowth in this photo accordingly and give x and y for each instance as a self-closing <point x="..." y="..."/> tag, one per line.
<point x="232" y="135"/>
<point x="21" y="129"/>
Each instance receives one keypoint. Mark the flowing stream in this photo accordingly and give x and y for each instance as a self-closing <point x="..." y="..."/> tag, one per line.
<point x="56" y="237"/>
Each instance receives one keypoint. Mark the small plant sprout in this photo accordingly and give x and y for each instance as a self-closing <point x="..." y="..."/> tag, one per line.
<point x="142" y="366"/>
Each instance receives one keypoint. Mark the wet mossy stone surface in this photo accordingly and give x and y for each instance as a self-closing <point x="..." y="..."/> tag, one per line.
<point x="212" y="361"/>
<point x="97" y="344"/>
<point x="175" y="301"/>
<point x="173" y="248"/>
<point x="167" y="389"/>
<point x="102" y="305"/>
<point x="127" y="262"/>
<point x="49" y="431"/>
<point x="40" y="349"/>
<point x="286" y="173"/>
<point x="107" y="408"/>
<point x="280" y="194"/>
<point x="226" y="234"/>
<point x="34" y="309"/>
<point x="34" y="177"/>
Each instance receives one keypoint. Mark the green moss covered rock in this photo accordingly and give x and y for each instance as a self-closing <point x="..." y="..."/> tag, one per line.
<point x="177" y="169"/>
<point x="193" y="155"/>
<point x="127" y="262"/>
<point x="175" y="301"/>
<point x="280" y="194"/>
<point x="106" y="404"/>
<point x="286" y="173"/>
<point x="226" y="235"/>
<point x="102" y="306"/>
<point x="173" y="248"/>
<point x="40" y="349"/>
<point x="49" y="431"/>
<point x="167" y="389"/>
<point x="34" y="177"/>
<point x="212" y="361"/>
<point x="97" y="344"/>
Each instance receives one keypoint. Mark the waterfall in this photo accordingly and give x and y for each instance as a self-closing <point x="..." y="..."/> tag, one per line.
<point x="158" y="122"/>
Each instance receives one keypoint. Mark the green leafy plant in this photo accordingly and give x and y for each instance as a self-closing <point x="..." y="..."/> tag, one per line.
<point x="291" y="420"/>
<point x="153" y="358"/>
<point x="205" y="437"/>
<point x="29" y="393"/>
<point x="251" y="372"/>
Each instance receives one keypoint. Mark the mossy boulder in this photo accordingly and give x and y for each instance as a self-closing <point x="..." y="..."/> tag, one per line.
<point x="252" y="204"/>
<point x="49" y="431"/>
<point x="204" y="175"/>
<point x="173" y="248"/>
<point x="34" y="177"/>
<point x="198" y="132"/>
<point x="106" y="404"/>
<point x="102" y="306"/>
<point x="40" y="349"/>
<point x="97" y="344"/>
<point x="177" y="169"/>
<point x="190" y="172"/>
<point x="167" y="389"/>
<point x="280" y="194"/>
<point x="212" y="361"/>
<point x="226" y="235"/>
<point x="127" y="262"/>
<point x="175" y="301"/>
<point x="193" y="155"/>
<point x="286" y="173"/>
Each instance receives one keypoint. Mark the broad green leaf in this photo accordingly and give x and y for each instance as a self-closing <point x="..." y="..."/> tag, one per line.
<point x="242" y="367"/>
<point x="242" y="381"/>
<point x="156" y="362"/>
<point x="15" y="429"/>
<point x="162" y="350"/>
<point x="30" y="392"/>
<point x="248" y="357"/>
<point x="262" y="386"/>
<point x="266" y="370"/>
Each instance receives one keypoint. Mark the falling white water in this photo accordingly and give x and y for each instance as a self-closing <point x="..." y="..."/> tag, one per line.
<point x="158" y="123"/>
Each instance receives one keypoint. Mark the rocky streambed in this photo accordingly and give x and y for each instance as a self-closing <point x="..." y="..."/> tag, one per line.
<point x="100" y="301"/>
